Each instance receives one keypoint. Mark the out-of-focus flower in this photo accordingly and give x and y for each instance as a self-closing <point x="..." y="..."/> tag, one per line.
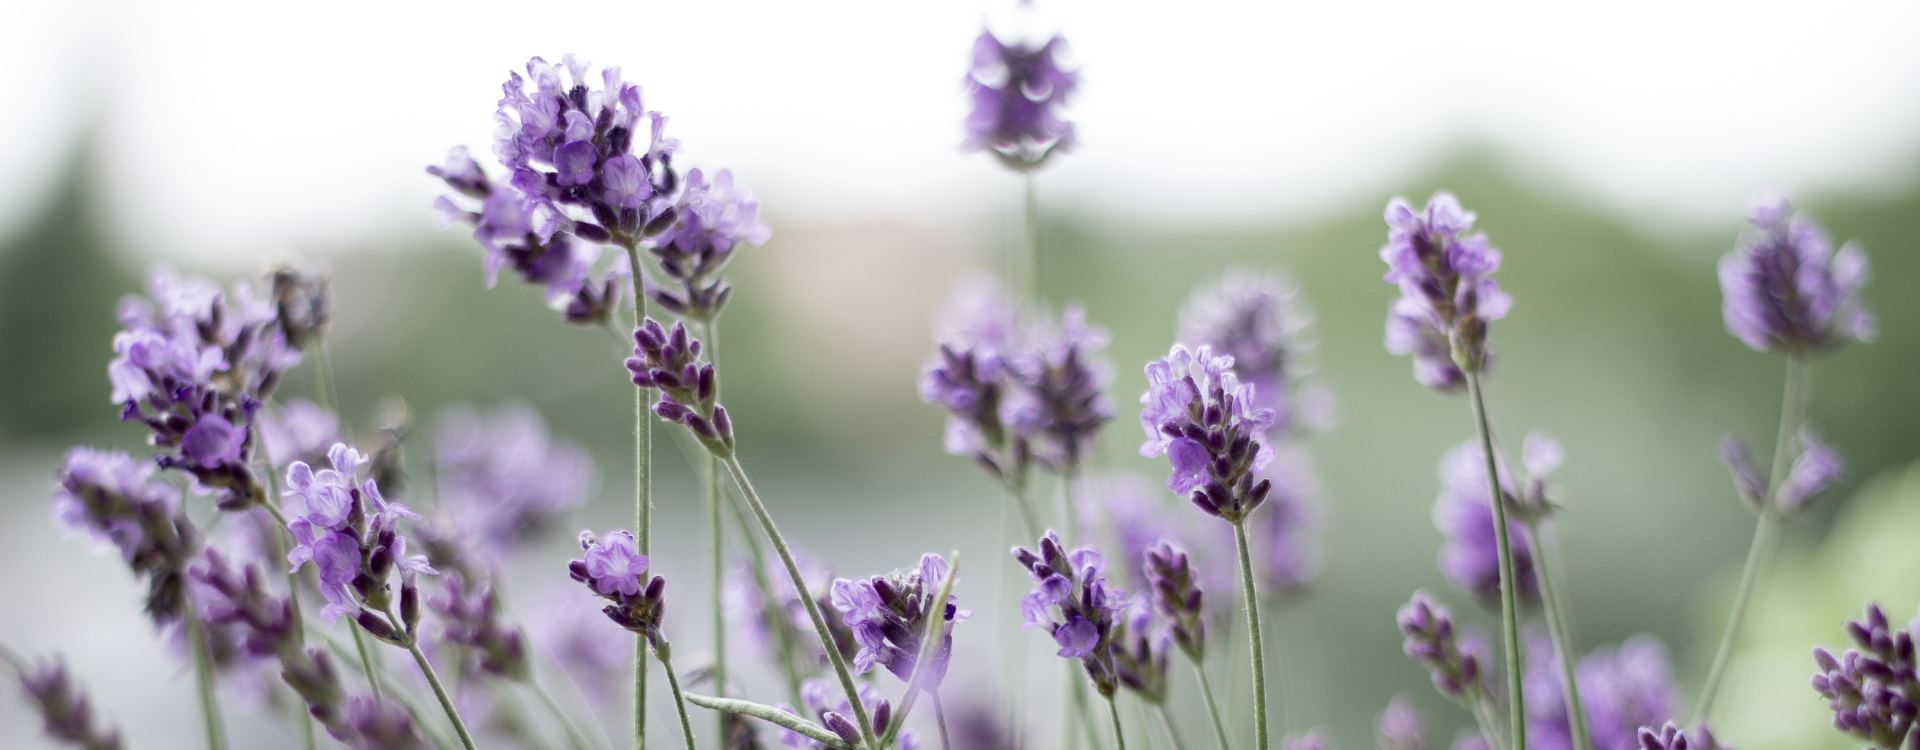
<point x="1447" y="291"/>
<point x="1258" y="320"/>
<point x="299" y="431"/>
<point x="1433" y="640"/>
<point x="1400" y="727"/>
<point x="1622" y="689"/>
<point x="116" y="501"/>
<point x="1785" y="290"/>
<point x="1017" y="91"/>
<point x="503" y="481"/>
<point x="63" y="707"/>
<point x="1464" y="512"/>
<point x="1870" y="688"/>
<point x="1058" y="400"/>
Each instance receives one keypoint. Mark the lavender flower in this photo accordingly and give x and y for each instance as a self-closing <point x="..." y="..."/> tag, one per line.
<point x="299" y="431"/>
<point x="1464" y="512"/>
<point x="1447" y="292"/>
<point x="616" y="571"/>
<point x="714" y="220"/>
<point x="1257" y="320"/>
<point x="379" y="725"/>
<point x="980" y="727"/>
<point x="596" y="658"/>
<point x="470" y="620"/>
<point x="1140" y="652"/>
<point x="835" y="715"/>
<point x="1177" y="595"/>
<point x="670" y="361"/>
<point x="1872" y="688"/>
<point x="1785" y="290"/>
<point x="1075" y="584"/>
<point x="349" y="533"/>
<point x="1203" y="418"/>
<point x="1669" y="737"/>
<point x="1059" y="396"/>
<point x="1400" y="727"/>
<point x="116" y="501"/>
<point x="969" y="377"/>
<point x="301" y="305"/>
<point x="67" y="715"/>
<point x="1017" y="91"/>
<point x="1746" y="477"/>
<point x="503" y="481"/>
<point x="888" y="615"/>
<point x="1432" y="640"/>
<point x="777" y="617"/>
<point x="1622" y="690"/>
<point x="1816" y="468"/>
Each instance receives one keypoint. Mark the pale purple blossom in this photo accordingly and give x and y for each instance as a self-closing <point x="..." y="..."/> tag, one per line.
<point x="299" y="431"/>
<point x="1198" y="413"/>
<point x="714" y="220"/>
<point x="1057" y="401"/>
<point x="1464" y="513"/>
<point x="1622" y="689"/>
<point x="1817" y="468"/>
<point x="615" y="570"/>
<point x="1447" y="291"/>
<point x="503" y="480"/>
<point x="349" y="531"/>
<point x="889" y="616"/>
<point x="1074" y="584"/>
<point x="1258" y="320"/>
<point x="1400" y="726"/>
<point x="65" y="713"/>
<point x="978" y="333"/>
<point x="1785" y="290"/>
<point x="1017" y="91"/>
<point x="118" y="503"/>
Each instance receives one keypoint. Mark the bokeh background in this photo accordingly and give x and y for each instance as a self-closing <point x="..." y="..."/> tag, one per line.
<point x="1606" y="150"/>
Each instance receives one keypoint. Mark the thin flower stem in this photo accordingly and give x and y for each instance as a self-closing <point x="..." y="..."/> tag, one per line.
<point x="366" y="660"/>
<point x="574" y="736"/>
<point x="642" y="498"/>
<point x="203" y="680"/>
<point x="1509" y="594"/>
<point x="800" y="584"/>
<point x="453" y="714"/>
<point x="1793" y="409"/>
<point x="1562" y="640"/>
<point x="396" y="692"/>
<point x="1030" y="269"/>
<point x="1213" y="708"/>
<point x="1113" y="711"/>
<point x="673" y="682"/>
<point x="1253" y="638"/>
<point x="1069" y="515"/>
<point x="940" y="717"/>
<point x="1487" y="716"/>
<point x="1017" y="496"/>
<point x="716" y="544"/>
<point x="1173" y="735"/>
<point x="293" y="598"/>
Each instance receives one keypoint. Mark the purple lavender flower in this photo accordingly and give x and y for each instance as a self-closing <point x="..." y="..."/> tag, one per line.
<point x="1314" y="739"/>
<point x="1058" y="400"/>
<point x="63" y="706"/>
<point x="1746" y="477"/>
<point x="714" y="220"/>
<point x="1669" y="737"/>
<point x="888" y="615"/>
<point x="1017" y="91"/>
<point x="379" y="725"/>
<point x="1075" y="584"/>
<point x="299" y="431"/>
<point x="1256" y="319"/>
<point x="1198" y="413"/>
<point x="1447" y="292"/>
<point x="596" y="658"/>
<point x="116" y="501"/>
<point x="969" y="377"/>
<point x="1817" y="468"/>
<point x="777" y="616"/>
<point x="616" y="571"/>
<point x="835" y="714"/>
<point x="1400" y="727"/>
<point x="1622" y="690"/>
<point x="470" y="621"/>
<point x="349" y="533"/>
<point x="670" y="361"/>
<point x="1464" y="513"/>
<point x="1432" y="640"/>
<point x="1872" y="687"/>
<point x="1140" y="652"/>
<point x="503" y="481"/>
<point x="1785" y="290"/>
<point x="1177" y="595"/>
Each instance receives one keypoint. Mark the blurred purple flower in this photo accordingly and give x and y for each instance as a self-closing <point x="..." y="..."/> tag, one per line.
<point x="1017" y="91"/>
<point x="1058" y="398"/>
<point x="1622" y="689"/>
<point x="1785" y="290"/>
<point x="1464" y="513"/>
<point x="298" y="431"/>
<point x="1400" y="727"/>
<point x="1433" y="640"/>
<point x="118" y="503"/>
<point x="503" y="481"/>
<point x="1258" y="320"/>
<point x="1817" y="468"/>
<point x="63" y="706"/>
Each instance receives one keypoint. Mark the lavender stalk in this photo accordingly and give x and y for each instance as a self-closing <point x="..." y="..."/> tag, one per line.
<point x="1509" y="593"/>
<point x="203" y="682"/>
<point x="1253" y="635"/>
<point x="1213" y="707"/>
<point x="642" y="502"/>
<point x="1119" y="737"/>
<point x="446" y="704"/>
<point x="716" y="544"/>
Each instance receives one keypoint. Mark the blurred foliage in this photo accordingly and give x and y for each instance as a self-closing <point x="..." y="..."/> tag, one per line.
<point x="1615" y="347"/>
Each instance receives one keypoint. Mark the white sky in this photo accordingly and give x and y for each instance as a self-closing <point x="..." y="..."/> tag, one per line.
<point x="237" y="127"/>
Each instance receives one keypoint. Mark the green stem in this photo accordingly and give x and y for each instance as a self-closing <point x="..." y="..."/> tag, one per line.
<point x="1173" y="735"/>
<point x="1213" y="708"/>
<point x="1113" y="711"/>
<point x="662" y="652"/>
<point x="1253" y="638"/>
<point x="940" y="717"/>
<point x="1487" y="716"/>
<point x="574" y="735"/>
<point x="203" y="680"/>
<point x="1509" y="595"/>
<point x="446" y="703"/>
<point x="1017" y="496"/>
<point x="1562" y="640"/>
<point x="1030" y="270"/>
<point x="642" y="499"/>
<point x="1078" y="691"/>
<point x="800" y="584"/>
<point x="366" y="660"/>
<point x="770" y="715"/>
<point x="716" y="544"/>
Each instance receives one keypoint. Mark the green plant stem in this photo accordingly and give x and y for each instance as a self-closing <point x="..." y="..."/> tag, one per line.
<point x="446" y="703"/>
<point x="1173" y="735"/>
<point x="1113" y="711"/>
<point x="366" y="660"/>
<point x="1509" y="596"/>
<point x="1017" y="496"/>
<point x="1562" y="638"/>
<point x="1213" y="708"/>
<point x="642" y="498"/>
<point x="662" y="652"/>
<point x="293" y="600"/>
<point x="716" y="543"/>
<point x="800" y="584"/>
<point x="1792" y="410"/>
<point x="574" y="736"/>
<point x="940" y="717"/>
<point x="1078" y="693"/>
<point x="203" y="681"/>
<point x="1487" y="716"/>
<point x="771" y="715"/>
<point x="1030" y="270"/>
<point x="1253" y="638"/>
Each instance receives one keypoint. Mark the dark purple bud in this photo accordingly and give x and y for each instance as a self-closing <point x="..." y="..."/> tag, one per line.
<point x="376" y="626"/>
<point x="1205" y="504"/>
<point x="704" y="390"/>
<point x="409" y="602"/>
<point x="671" y="411"/>
<point x="881" y="715"/>
<point x="839" y="725"/>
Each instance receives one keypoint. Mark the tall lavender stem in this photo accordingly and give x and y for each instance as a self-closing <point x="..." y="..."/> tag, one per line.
<point x="716" y="546"/>
<point x="446" y="703"/>
<point x="1562" y="640"/>
<point x="203" y="681"/>
<point x="1030" y="269"/>
<point x="663" y="651"/>
<point x="1213" y="707"/>
<point x="642" y="499"/>
<point x="1792" y="411"/>
<point x="1119" y="737"/>
<point x="1253" y="638"/>
<point x="1509" y="594"/>
<point x="800" y="584"/>
<point x="1173" y="735"/>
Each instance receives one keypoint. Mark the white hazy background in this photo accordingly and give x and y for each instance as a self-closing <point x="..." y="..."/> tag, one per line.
<point x="230" y="128"/>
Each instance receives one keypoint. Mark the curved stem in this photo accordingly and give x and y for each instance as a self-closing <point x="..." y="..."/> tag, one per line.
<point x="446" y="703"/>
<point x="642" y="499"/>
<point x="1173" y="735"/>
<point x="203" y="680"/>
<point x="1213" y="708"/>
<point x="1792" y="410"/>
<point x="1509" y="594"/>
<point x="800" y="584"/>
<point x="366" y="659"/>
<point x="1562" y="640"/>
<point x="679" y="699"/>
<point x="1113" y="711"/>
<point x="1253" y="636"/>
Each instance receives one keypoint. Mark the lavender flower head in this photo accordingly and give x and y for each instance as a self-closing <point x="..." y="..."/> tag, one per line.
<point x="1198" y="413"/>
<point x="1074" y="584"/>
<point x="714" y="219"/>
<point x="1464" y="513"/>
<point x="1433" y="640"/>
<point x="1258" y="320"/>
<point x="1622" y="690"/>
<point x="503" y="480"/>
<point x="1177" y="595"/>
<point x="1670" y="737"/>
<point x="349" y="532"/>
<point x="471" y="622"/>
<point x="776" y="616"/>
<point x="116" y="501"/>
<point x="978" y="334"/>
<point x="63" y="707"/>
<point x="1872" y="688"/>
<point x="1785" y="290"/>
<point x="1400" y="726"/>
<point x="1058" y="398"/>
<point x="299" y="431"/>
<point x="616" y="571"/>
<point x="670" y="361"/>
<point x="1017" y="91"/>
<point x="836" y="715"/>
<point x="1447" y="292"/>
<point x="889" y="617"/>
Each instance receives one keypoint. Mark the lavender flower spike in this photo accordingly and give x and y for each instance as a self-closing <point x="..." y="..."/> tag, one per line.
<point x="1433" y="640"/>
<point x="1177" y="595"/>
<point x="979" y="334"/>
<point x="1258" y="320"/>
<point x="116" y="501"/>
<point x="1059" y="399"/>
<point x="1075" y="585"/>
<point x="1017" y="91"/>
<point x="616" y="571"/>
<point x="1817" y="468"/>
<point x="1871" y="687"/>
<point x="1198" y="413"/>
<point x="670" y="361"/>
<point x="714" y="219"/>
<point x="350" y="532"/>
<point x="889" y="614"/>
<point x="1447" y="292"/>
<point x="1785" y="290"/>
<point x="1464" y="512"/>
<point x="1400" y="726"/>
<point x="63" y="706"/>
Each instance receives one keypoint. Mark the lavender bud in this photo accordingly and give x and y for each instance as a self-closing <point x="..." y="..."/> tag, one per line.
<point x="377" y="627"/>
<point x="1746" y="477"/>
<point x="839" y="725"/>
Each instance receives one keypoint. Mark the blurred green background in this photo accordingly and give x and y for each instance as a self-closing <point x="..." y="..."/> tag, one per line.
<point x="1614" y="346"/>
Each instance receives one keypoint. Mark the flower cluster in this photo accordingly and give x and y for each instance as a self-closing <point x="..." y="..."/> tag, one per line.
<point x="1400" y="727"/>
<point x="1447" y="292"/>
<point x="1785" y="290"/>
<point x="616" y="571"/>
<point x="63" y="707"/>
<point x="714" y="219"/>
<point x="195" y="367"/>
<point x="1464" y="512"/>
<point x="835" y="713"/>
<point x="1432" y="640"/>
<point x="1203" y="418"/>
<point x="889" y="617"/>
<point x="1872" y="688"/>
<point x="777" y="616"/>
<point x="1017" y="91"/>
<point x="299" y="431"/>
<point x="349" y="533"/>
<point x="1816" y="468"/>
<point x="1670" y="737"/>
<point x="670" y="361"/>
<point x="470" y="620"/>
<point x="503" y="481"/>
<point x="1622" y="689"/>
<point x="1075" y="584"/>
<point x="1058" y="400"/>
<point x="1140" y="652"/>
<point x="118" y="502"/>
<point x="1258" y="320"/>
<point x="1177" y="596"/>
